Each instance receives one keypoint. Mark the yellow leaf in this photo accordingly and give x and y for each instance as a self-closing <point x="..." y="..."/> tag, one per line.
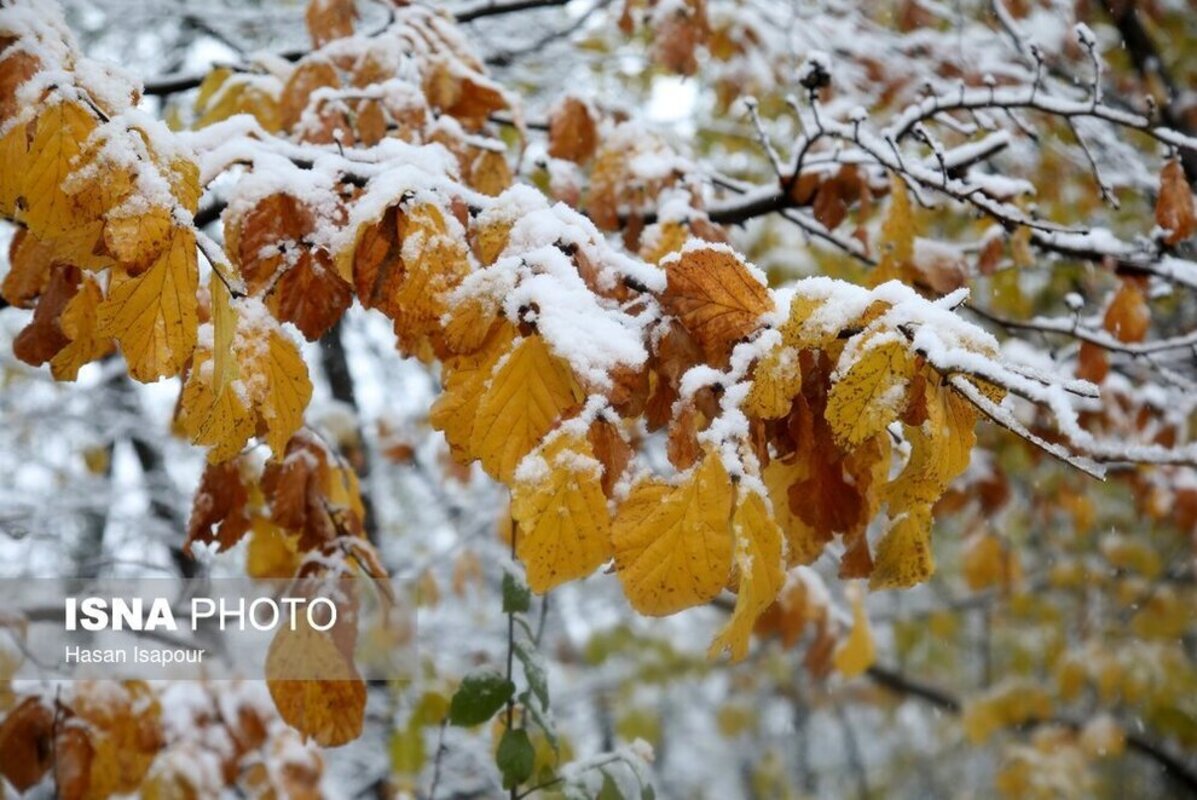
<point x="557" y="500"/>
<point x="330" y="709"/>
<point x="904" y="558"/>
<point x="856" y="653"/>
<point x="940" y="448"/>
<point x="465" y="378"/>
<point x="673" y="546"/>
<point x="271" y="552"/>
<point x="61" y="130"/>
<point x="796" y="333"/>
<point x="434" y="261"/>
<point x="871" y="394"/>
<point x="79" y="324"/>
<point x="135" y="239"/>
<point x="218" y="420"/>
<point x="775" y="380"/>
<point x="153" y="315"/>
<point x="897" y="232"/>
<point x="530" y="391"/>
<point x="758" y="563"/>
<point x="14" y="154"/>
<point x="224" y="329"/>
<point x="986" y="562"/>
<point x="265" y="386"/>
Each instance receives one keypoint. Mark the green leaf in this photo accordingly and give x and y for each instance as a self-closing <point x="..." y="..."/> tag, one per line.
<point x="517" y="597"/>
<point x="647" y="792"/>
<point x="610" y="790"/>
<point x="515" y="757"/>
<point x="534" y="671"/>
<point x="479" y="697"/>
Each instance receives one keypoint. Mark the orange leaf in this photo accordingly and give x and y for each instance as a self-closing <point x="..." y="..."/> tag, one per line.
<point x="715" y="295"/>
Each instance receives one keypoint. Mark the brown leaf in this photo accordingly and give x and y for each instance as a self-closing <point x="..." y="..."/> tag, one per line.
<point x="683" y="448"/>
<point x="298" y="281"/>
<point x="311" y="74"/>
<point x="1174" y="210"/>
<point x="716" y="297"/>
<point x="74" y="754"/>
<point x="1092" y="364"/>
<point x="573" y="134"/>
<point x="611" y="450"/>
<point x="219" y="514"/>
<point x="1128" y="315"/>
<point x="330" y="19"/>
<point x="43" y="338"/>
<point x="378" y="265"/>
<point x="28" y="270"/>
<point x="26" y="750"/>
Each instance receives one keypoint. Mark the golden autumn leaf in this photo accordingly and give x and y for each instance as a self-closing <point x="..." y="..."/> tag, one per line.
<point x="776" y="378"/>
<point x="940" y="448"/>
<point x="898" y="230"/>
<point x="154" y="315"/>
<point x="466" y="95"/>
<point x="61" y="131"/>
<point x="271" y="553"/>
<point x="985" y="562"/>
<point x="557" y="500"/>
<point x="673" y="544"/>
<point x="261" y="387"/>
<point x="14" y="154"/>
<point x="435" y="260"/>
<point x="28" y="270"/>
<point x="904" y="557"/>
<point x="224" y="333"/>
<point x="1174" y="208"/>
<point x="124" y="730"/>
<point x="530" y="390"/>
<point x="715" y="295"/>
<point x="803" y="542"/>
<point x="856" y="653"/>
<point x="135" y="239"/>
<point x="757" y="557"/>
<point x="465" y="378"/>
<point x="315" y="686"/>
<point x="870" y="395"/>
<point x="310" y="74"/>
